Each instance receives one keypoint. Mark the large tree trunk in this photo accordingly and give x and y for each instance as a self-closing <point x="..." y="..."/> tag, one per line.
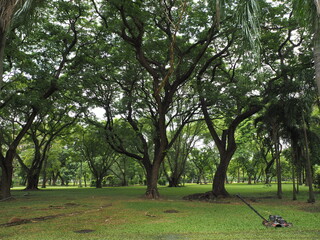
<point x="218" y="186"/>
<point x="174" y="181"/>
<point x="6" y="178"/>
<point x="226" y="144"/>
<point x="152" y="182"/>
<point x="33" y="179"/>
<point x="34" y="171"/>
<point x="99" y="182"/>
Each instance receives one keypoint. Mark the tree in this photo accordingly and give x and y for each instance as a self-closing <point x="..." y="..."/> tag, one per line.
<point x="12" y="11"/>
<point x="125" y="170"/>
<point x="159" y="52"/>
<point x="273" y="118"/>
<point x="249" y="157"/>
<point x="308" y="13"/>
<point x="98" y="153"/>
<point x="53" y="163"/>
<point x="204" y="161"/>
<point x="288" y="71"/>
<point x="177" y="156"/>
<point x="48" y="126"/>
<point x="36" y="81"/>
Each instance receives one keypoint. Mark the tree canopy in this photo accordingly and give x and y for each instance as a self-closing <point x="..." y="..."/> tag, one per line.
<point x="185" y="86"/>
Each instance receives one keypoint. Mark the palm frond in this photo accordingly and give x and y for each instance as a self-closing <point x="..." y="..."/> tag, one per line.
<point x="306" y="11"/>
<point x="317" y="4"/>
<point x="26" y="11"/>
<point x="16" y="12"/>
<point x="248" y="16"/>
<point x="7" y="10"/>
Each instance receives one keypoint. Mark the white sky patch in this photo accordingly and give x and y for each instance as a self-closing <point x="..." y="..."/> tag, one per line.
<point x="98" y="112"/>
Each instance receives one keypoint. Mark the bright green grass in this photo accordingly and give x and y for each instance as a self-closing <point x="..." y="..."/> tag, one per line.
<point x="123" y="213"/>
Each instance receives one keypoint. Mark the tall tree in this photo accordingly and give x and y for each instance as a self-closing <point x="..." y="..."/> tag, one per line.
<point x="308" y="13"/>
<point x="46" y="128"/>
<point x="177" y="156"/>
<point x="161" y="44"/>
<point x="13" y="12"/>
<point x="35" y="80"/>
<point x="97" y="152"/>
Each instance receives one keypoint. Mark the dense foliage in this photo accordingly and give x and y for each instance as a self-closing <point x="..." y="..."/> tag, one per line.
<point x="190" y="91"/>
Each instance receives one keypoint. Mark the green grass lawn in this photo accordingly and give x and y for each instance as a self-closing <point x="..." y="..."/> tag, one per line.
<point x="123" y="213"/>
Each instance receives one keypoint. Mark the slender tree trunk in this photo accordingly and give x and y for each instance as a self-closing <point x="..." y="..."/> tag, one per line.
<point x="278" y="163"/>
<point x="85" y="180"/>
<point x="61" y="179"/>
<point x="294" y="171"/>
<point x="294" y="190"/>
<point x="308" y="166"/>
<point x="44" y="176"/>
<point x="55" y="179"/>
<point x="279" y="180"/>
<point x="316" y="52"/>
<point x="2" y="47"/>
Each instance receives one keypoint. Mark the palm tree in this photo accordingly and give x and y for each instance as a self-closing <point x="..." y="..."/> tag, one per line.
<point x="12" y="11"/>
<point x="308" y="13"/>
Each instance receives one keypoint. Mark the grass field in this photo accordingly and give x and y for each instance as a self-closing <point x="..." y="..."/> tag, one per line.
<point x="123" y="213"/>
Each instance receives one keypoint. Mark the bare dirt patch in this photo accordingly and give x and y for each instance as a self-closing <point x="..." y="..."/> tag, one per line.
<point x="205" y="197"/>
<point x="171" y="211"/>
<point x="311" y="208"/>
<point x="84" y="231"/>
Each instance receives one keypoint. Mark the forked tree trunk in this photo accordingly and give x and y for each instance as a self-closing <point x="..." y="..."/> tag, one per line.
<point x="33" y="173"/>
<point x="33" y="180"/>
<point x="174" y="181"/>
<point x="267" y="171"/>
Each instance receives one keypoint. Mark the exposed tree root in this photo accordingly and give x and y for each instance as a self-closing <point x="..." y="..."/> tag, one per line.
<point x="6" y="199"/>
<point x="20" y="221"/>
